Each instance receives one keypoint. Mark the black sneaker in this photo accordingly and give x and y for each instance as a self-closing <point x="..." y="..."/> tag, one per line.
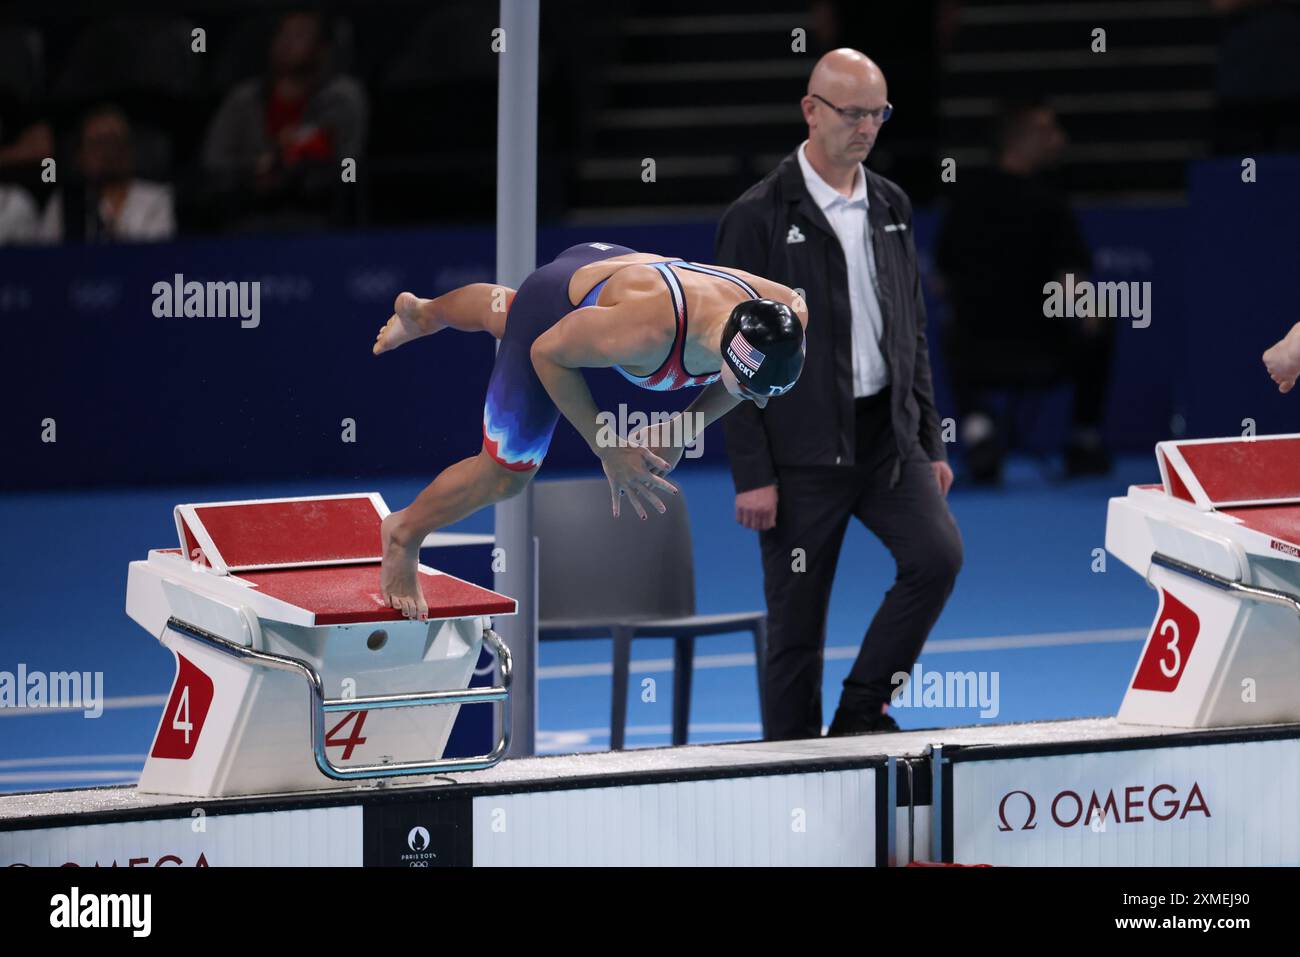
<point x="984" y="462"/>
<point x="856" y="722"/>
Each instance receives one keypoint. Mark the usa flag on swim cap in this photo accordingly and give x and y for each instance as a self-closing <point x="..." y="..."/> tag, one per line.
<point x="746" y="353"/>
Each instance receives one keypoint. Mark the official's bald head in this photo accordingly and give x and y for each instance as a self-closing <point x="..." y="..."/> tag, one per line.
<point x="846" y="92"/>
<point x="845" y="73"/>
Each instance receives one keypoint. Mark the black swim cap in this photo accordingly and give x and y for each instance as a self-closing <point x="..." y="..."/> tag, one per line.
<point x="763" y="344"/>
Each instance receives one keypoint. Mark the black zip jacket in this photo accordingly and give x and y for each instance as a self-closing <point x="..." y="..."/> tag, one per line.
<point x="776" y="230"/>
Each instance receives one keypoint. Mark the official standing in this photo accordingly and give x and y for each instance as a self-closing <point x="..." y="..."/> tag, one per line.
<point x="859" y="436"/>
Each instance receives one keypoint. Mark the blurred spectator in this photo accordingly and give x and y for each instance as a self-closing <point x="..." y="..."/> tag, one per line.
<point x="17" y="216"/>
<point x="1008" y="233"/>
<point x="26" y="137"/>
<point x="1258" y="82"/>
<point x="108" y="203"/>
<point x="31" y="143"/>
<point x="271" y="157"/>
<point x="25" y="141"/>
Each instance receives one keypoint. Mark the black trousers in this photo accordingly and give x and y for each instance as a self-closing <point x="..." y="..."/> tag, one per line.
<point x="800" y="555"/>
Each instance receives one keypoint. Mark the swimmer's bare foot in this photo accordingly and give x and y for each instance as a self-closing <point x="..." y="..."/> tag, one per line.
<point x="412" y="317"/>
<point x="399" y="576"/>
<point x="1283" y="360"/>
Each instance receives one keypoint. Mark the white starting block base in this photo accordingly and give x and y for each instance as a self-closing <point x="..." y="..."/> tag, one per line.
<point x="1219" y="541"/>
<point x="1081" y="792"/>
<point x="291" y="670"/>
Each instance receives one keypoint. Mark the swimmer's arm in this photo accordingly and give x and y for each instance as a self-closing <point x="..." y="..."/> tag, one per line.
<point x="593" y="337"/>
<point x="711" y="404"/>
<point x="684" y="430"/>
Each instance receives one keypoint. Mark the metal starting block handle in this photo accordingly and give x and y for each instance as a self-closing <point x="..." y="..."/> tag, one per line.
<point x="1273" y="595"/>
<point x="321" y="705"/>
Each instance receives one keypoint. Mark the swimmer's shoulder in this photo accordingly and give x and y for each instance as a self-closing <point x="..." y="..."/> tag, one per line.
<point x="643" y="300"/>
<point x="634" y="282"/>
<point x="767" y="288"/>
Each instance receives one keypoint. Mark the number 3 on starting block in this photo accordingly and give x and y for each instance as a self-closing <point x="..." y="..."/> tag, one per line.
<point x="1169" y="646"/>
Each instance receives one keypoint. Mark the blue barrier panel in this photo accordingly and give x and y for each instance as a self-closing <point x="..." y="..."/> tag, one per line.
<point x="136" y="398"/>
<point x="1243" y="251"/>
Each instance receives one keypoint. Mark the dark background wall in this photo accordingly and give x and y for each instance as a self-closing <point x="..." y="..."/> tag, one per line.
<point x="142" y="399"/>
<point x="709" y="89"/>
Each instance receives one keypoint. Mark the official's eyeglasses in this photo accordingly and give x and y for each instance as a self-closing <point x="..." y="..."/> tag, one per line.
<point x="855" y="116"/>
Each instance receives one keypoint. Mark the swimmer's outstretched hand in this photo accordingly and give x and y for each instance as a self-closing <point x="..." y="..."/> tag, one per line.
<point x="1283" y="360"/>
<point x="658" y="438"/>
<point x="412" y="317"/>
<point x="636" y="473"/>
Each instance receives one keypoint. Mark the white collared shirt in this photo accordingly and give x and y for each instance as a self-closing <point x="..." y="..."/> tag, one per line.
<point x="146" y="215"/>
<point x="847" y="215"/>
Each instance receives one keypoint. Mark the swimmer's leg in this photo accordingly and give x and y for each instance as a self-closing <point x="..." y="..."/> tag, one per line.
<point x="459" y="491"/>
<point x="478" y="307"/>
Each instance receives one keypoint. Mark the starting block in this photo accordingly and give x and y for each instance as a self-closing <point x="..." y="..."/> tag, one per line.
<point x="1219" y="541"/>
<point x="292" y="673"/>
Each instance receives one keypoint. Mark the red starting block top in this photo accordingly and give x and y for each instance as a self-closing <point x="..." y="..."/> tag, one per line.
<point x="321" y="554"/>
<point x="1279" y="522"/>
<point x="283" y="533"/>
<point x="346" y="594"/>
<point x="1212" y="473"/>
